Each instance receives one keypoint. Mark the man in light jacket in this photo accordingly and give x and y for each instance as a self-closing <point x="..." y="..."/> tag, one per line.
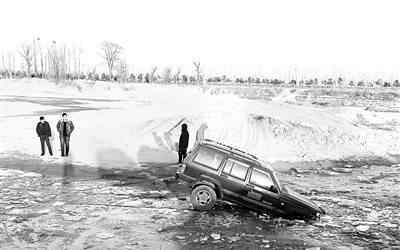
<point x="200" y="134"/>
<point x="65" y="128"/>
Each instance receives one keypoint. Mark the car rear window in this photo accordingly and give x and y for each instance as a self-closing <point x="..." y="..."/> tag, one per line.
<point x="209" y="157"/>
<point x="236" y="169"/>
<point x="261" y="179"/>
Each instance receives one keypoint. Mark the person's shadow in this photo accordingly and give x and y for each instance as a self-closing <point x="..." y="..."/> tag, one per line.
<point x="148" y="154"/>
<point x="68" y="172"/>
<point x="150" y="164"/>
<point x="114" y="158"/>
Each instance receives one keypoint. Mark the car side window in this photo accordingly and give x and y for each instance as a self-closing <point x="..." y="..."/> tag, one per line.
<point x="236" y="169"/>
<point x="209" y="158"/>
<point x="261" y="179"/>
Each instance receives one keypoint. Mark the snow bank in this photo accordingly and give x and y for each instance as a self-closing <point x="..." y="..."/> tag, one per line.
<point x="144" y="125"/>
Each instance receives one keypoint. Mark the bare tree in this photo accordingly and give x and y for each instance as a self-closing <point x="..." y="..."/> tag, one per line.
<point x="39" y="47"/>
<point x="198" y="71"/>
<point x="111" y="53"/>
<point x="46" y="65"/>
<point x="80" y="51"/>
<point x="12" y="57"/>
<point x="177" y="75"/>
<point x="56" y="62"/>
<point x="69" y="61"/>
<point x="76" y="57"/>
<point x="26" y="53"/>
<point x="123" y="73"/>
<point x="34" y="53"/>
<point x="5" y="67"/>
<point x="52" y="63"/>
<point x="167" y="75"/>
<point x="153" y="73"/>
<point x="62" y="57"/>
<point x="9" y="64"/>
<point x="3" y="60"/>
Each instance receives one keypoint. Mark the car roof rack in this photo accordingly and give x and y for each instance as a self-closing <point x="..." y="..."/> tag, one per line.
<point x="231" y="148"/>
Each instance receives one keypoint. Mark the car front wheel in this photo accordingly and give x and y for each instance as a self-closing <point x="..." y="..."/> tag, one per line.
<point x="203" y="197"/>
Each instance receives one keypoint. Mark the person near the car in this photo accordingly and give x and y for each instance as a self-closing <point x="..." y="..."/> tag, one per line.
<point x="43" y="130"/>
<point x="200" y="134"/>
<point x="65" y="128"/>
<point x="183" y="143"/>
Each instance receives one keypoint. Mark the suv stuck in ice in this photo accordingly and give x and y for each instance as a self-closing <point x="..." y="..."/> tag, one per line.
<point x="218" y="171"/>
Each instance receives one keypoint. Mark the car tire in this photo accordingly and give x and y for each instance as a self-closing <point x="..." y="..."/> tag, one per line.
<point x="203" y="198"/>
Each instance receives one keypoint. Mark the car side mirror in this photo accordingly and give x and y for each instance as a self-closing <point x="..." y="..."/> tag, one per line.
<point x="273" y="189"/>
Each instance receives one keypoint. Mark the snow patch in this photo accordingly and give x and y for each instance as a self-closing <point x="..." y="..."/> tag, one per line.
<point x="144" y="126"/>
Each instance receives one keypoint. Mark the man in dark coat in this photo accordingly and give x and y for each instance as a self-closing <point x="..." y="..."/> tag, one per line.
<point x="43" y="130"/>
<point x="183" y="143"/>
<point x="65" y="128"/>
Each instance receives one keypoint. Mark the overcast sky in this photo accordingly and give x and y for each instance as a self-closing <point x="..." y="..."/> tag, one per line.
<point x="356" y="38"/>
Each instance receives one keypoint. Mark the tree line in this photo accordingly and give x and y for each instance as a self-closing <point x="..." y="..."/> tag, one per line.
<point x="60" y="62"/>
<point x="64" y="63"/>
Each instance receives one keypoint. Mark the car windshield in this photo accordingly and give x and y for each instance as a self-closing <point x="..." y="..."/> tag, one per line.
<point x="261" y="179"/>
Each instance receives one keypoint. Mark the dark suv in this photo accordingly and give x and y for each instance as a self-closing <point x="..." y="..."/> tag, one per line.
<point x="218" y="171"/>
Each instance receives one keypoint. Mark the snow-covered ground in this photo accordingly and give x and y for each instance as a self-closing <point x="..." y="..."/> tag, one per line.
<point x="120" y="125"/>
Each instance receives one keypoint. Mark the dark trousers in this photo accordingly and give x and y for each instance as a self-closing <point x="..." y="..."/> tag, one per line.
<point x="44" y="139"/>
<point x="182" y="154"/>
<point x="64" y="142"/>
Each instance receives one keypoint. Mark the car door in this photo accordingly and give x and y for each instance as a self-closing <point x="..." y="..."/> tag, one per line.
<point x="234" y="174"/>
<point x="261" y="188"/>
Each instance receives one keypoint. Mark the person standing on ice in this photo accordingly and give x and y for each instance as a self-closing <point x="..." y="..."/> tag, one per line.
<point x="183" y="143"/>
<point x="43" y="130"/>
<point x="65" y="128"/>
<point x="200" y="134"/>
